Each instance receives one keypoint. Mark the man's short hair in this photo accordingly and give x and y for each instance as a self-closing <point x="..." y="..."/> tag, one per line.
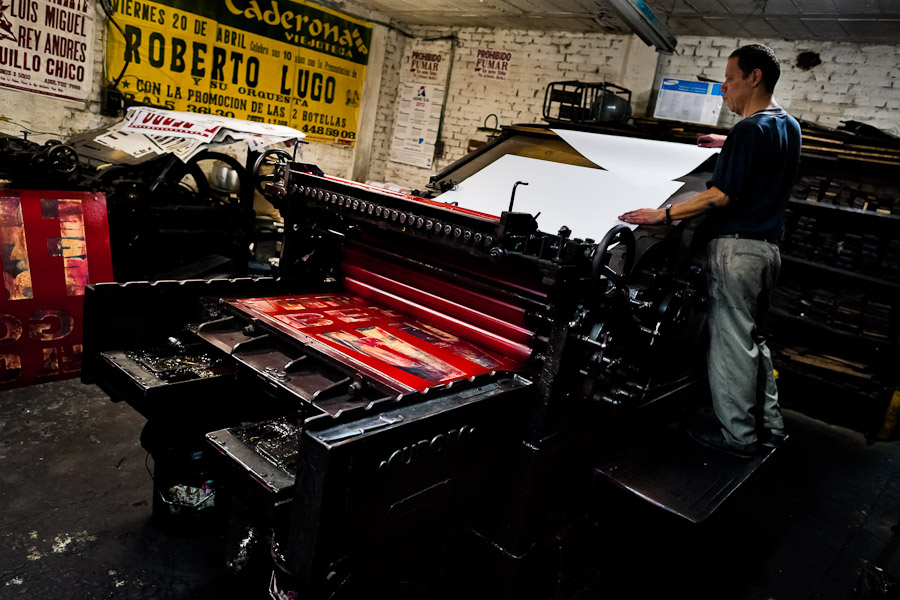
<point x="757" y="56"/>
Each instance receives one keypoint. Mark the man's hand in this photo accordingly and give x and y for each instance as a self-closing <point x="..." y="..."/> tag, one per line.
<point x="644" y="216"/>
<point x="711" y="140"/>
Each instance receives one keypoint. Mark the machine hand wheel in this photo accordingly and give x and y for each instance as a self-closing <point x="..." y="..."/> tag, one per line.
<point x="600" y="265"/>
<point x="279" y="166"/>
<point x="193" y="169"/>
<point x="62" y="159"/>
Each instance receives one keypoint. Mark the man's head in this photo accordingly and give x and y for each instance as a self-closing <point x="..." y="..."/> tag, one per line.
<point x="756" y="56"/>
<point x="752" y="72"/>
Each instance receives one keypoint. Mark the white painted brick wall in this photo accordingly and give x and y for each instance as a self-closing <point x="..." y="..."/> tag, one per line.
<point x="406" y="175"/>
<point x="854" y="82"/>
<point x="859" y="82"/>
<point x="539" y="58"/>
<point x="334" y="159"/>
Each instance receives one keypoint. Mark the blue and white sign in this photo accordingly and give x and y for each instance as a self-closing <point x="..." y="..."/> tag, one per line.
<point x="689" y="101"/>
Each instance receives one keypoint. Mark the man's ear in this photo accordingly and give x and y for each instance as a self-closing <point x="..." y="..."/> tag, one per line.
<point x="756" y="77"/>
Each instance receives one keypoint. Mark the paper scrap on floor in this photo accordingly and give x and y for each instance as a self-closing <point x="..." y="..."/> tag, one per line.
<point x="586" y="200"/>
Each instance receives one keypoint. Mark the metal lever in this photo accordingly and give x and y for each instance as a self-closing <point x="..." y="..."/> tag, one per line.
<point x="512" y="197"/>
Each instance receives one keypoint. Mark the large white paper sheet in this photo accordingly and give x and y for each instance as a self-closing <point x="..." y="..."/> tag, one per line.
<point x="588" y="201"/>
<point x="644" y="163"/>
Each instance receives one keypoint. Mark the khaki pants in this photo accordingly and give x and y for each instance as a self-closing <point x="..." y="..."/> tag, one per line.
<point x="741" y="274"/>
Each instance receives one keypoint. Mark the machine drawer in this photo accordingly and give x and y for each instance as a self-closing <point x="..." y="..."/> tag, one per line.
<point x="156" y="385"/>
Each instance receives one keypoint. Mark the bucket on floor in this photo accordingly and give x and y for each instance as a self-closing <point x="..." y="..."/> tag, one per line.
<point x="184" y="489"/>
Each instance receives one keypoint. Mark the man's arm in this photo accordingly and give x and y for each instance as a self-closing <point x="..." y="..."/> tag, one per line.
<point x="699" y="204"/>
<point x="711" y="140"/>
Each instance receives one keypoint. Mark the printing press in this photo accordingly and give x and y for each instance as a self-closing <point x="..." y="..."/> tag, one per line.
<point x="426" y="393"/>
<point x="167" y="217"/>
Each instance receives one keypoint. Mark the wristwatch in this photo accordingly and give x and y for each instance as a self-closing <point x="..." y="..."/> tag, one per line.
<point x="668" y="214"/>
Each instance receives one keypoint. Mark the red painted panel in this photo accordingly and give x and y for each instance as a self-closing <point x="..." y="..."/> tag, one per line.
<point x="504" y="274"/>
<point x="453" y="309"/>
<point x="52" y="244"/>
<point x="515" y="351"/>
<point x="513" y="315"/>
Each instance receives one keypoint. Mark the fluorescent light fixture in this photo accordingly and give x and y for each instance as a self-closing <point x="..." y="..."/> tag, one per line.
<point x="644" y="24"/>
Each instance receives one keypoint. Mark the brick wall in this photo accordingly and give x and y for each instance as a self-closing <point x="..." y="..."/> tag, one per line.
<point x="538" y="58"/>
<point x="854" y="82"/>
<point x="382" y="169"/>
<point x="336" y="160"/>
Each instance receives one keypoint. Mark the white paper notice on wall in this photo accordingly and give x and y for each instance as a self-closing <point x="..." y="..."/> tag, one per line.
<point x="644" y="163"/>
<point x="416" y="128"/>
<point x="588" y="201"/>
<point x="689" y="101"/>
<point x="47" y="47"/>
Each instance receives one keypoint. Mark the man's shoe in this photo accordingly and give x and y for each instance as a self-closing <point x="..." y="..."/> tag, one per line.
<point x="715" y="440"/>
<point x="772" y="439"/>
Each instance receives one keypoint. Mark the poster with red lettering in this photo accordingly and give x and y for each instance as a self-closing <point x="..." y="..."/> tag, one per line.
<point x="52" y="244"/>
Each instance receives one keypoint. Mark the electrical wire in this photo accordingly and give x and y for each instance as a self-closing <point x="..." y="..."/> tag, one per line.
<point x="108" y="9"/>
<point x="23" y="127"/>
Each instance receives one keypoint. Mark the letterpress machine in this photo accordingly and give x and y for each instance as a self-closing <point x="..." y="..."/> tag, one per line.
<point x="424" y="388"/>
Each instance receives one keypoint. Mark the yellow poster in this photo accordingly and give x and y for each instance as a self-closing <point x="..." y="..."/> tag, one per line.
<point x="284" y="62"/>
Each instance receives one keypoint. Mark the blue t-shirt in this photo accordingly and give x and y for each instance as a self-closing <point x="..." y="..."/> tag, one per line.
<point x="756" y="170"/>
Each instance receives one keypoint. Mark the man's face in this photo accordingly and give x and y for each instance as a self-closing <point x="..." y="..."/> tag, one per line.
<point x="736" y="89"/>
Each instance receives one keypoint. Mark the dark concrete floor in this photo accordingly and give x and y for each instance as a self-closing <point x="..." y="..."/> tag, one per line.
<point x="805" y="526"/>
<point x="75" y="517"/>
<point x="75" y="504"/>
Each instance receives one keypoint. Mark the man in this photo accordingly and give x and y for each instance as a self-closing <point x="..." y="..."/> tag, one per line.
<point x="745" y="199"/>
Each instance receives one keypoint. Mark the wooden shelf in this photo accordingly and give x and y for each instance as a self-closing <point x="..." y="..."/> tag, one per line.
<point x="785" y="365"/>
<point x="860" y="276"/>
<point x="845" y="209"/>
<point x="781" y="314"/>
<point x="818" y="142"/>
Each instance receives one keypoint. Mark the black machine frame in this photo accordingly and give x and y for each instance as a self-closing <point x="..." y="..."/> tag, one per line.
<point x="376" y="487"/>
